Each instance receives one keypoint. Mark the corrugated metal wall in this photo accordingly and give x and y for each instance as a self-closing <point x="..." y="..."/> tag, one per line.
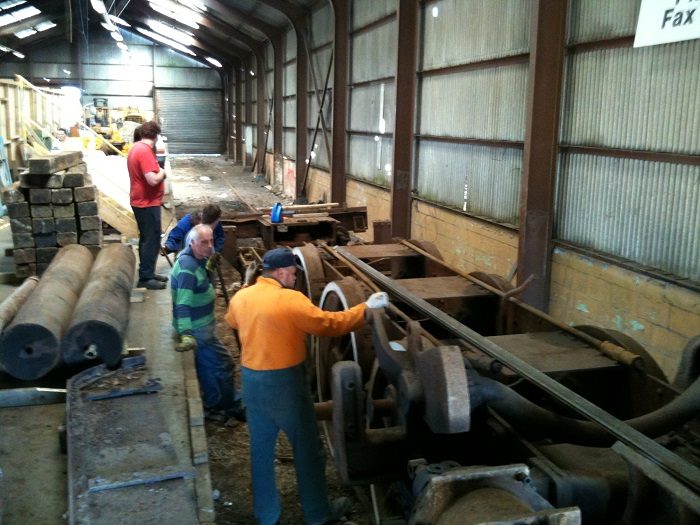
<point x="289" y="107"/>
<point x="191" y="119"/>
<point x="372" y="98"/>
<point x="462" y="102"/>
<point x="624" y="99"/>
<point x="321" y="51"/>
<point x="643" y="211"/>
<point x="269" y="96"/>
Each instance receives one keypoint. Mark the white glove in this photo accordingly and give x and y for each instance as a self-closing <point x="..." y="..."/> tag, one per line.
<point x="377" y="300"/>
<point x="251" y="273"/>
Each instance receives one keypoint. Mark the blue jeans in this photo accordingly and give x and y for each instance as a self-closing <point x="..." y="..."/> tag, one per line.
<point x="280" y="400"/>
<point x="215" y="371"/>
<point x="148" y="221"/>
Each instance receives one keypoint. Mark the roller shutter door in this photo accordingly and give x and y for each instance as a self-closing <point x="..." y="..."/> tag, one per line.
<point x="191" y="119"/>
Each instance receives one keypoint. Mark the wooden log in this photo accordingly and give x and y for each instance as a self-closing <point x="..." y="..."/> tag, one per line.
<point x="30" y="347"/>
<point x="101" y="316"/>
<point x="303" y="207"/>
<point x="11" y="305"/>
<point x="50" y="164"/>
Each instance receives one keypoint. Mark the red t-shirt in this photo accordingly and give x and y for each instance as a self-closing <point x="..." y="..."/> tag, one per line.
<point x="141" y="160"/>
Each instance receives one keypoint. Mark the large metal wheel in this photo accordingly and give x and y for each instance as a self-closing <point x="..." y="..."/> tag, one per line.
<point x="355" y="346"/>
<point x="312" y="280"/>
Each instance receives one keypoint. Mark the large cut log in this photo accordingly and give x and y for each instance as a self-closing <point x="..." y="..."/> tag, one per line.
<point x="100" y="318"/>
<point x="30" y="347"/>
<point x="11" y="305"/>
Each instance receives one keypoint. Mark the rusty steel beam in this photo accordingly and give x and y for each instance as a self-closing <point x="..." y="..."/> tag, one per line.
<point x="540" y="151"/>
<point x="101" y="316"/>
<point x="340" y="101"/>
<point x="277" y="108"/>
<point x="11" y="305"/>
<point x="239" y="113"/>
<point x="29" y="348"/>
<point x="403" y="131"/>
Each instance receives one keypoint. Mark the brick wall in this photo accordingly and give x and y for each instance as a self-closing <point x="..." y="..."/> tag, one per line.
<point x="659" y="315"/>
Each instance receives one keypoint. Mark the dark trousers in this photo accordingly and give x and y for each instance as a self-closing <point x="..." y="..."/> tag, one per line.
<point x="148" y="221"/>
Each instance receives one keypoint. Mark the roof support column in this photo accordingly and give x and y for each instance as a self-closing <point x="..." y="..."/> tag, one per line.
<point x="277" y="109"/>
<point x="405" y="118"/>
<point x="540" y="151"/>
<point x="260" y="109"/>
<point x="302" y="105"/>
<point x="340" y="101"/>
<point x="239" y="113"/>
<point x="248" y="111"/>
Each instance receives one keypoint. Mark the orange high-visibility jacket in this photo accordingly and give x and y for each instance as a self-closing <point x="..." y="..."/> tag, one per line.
<point x="272" y="322"/>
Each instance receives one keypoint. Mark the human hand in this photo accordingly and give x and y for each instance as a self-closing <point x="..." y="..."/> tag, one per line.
<point x="378" y="300"/>
<point x="213" y="262"/>
<point x="251" y="273"/>
<point x="164" y="250"/>
<point x="187" y="343"/>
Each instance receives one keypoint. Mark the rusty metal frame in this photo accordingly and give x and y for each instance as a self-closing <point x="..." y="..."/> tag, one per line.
<point x="536" y="216"/>
<point x="340" y="102"/>
<point x="402" y="164"/>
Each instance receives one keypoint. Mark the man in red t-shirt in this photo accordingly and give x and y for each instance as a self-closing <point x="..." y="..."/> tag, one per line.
<point x="146" y="193"/>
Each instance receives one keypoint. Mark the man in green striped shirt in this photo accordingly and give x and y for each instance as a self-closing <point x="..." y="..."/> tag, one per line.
<point x="193" y="319"/>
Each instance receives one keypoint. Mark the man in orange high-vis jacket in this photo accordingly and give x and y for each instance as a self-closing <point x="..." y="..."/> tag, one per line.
<point x="273" y="320"/>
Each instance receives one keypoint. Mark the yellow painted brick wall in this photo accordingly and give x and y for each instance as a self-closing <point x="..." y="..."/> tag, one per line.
<point x="659" y="315"/>
<point x="377" y="200"/>
<point x="467" y="243"/>
<point x="318" y="186"/>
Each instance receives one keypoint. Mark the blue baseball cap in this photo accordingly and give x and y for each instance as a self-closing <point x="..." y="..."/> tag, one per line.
<point x="278" y="258"/>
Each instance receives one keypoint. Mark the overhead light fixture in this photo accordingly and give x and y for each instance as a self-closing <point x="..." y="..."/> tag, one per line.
<point x="18" y="54"/>
<point x="122" y="46"/>
<point x="24" y="33"/>
<point x="252" y="73"/>
<point x="213" y="61"/>
<point x="99" y="6"/>
<point x="181" y="13"/>
<point x="171" y="33"/>
<point x="66" y="72"/>
<point x="107" y="24"/>
<point x="116" y="35"/>
<point x="166" y="41"/>
<point x="194" y="4"/>
<point x="119" y="21"/>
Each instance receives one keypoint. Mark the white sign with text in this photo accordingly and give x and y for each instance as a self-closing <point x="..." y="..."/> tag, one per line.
<point x="663" y="21"/>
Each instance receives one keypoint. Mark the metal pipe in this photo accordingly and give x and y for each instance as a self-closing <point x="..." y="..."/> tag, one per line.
<point x="11" y="305"/>
<point x="101" y="316"/>
<point x="529" y="417"/>
<point x="670" y="462"/>
<point x="29" y="348"/>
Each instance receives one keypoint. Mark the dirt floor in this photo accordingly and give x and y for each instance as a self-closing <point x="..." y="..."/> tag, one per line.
<point x="197" y="181"/>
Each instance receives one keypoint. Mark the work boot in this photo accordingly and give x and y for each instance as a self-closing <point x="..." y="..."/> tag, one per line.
<point x="152" y="284"/>
<point x="238" y="412"/>
<point x="161" y="278"/>
<point x="340" y="507"/>
<point x="215" y="415"/>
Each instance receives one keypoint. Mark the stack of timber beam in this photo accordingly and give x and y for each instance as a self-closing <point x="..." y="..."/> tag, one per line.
<point x="54" y="204"/>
